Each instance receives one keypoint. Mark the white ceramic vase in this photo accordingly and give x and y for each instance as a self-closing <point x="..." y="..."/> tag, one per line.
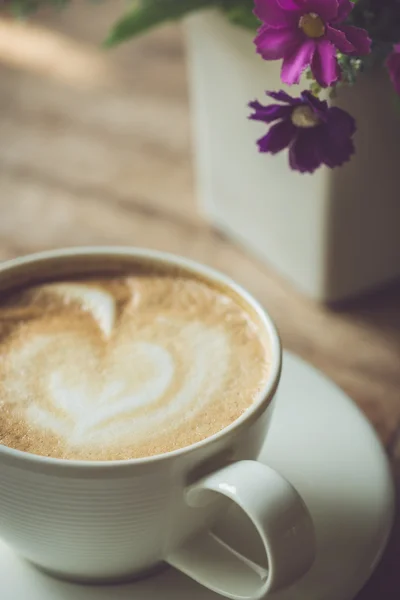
<point x="334" y="234"/>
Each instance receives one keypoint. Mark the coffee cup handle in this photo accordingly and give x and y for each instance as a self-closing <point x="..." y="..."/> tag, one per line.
<point x="281" y="519"/>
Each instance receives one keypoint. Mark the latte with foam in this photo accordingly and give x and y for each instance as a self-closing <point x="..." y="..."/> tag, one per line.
<point x="125" y="366"/>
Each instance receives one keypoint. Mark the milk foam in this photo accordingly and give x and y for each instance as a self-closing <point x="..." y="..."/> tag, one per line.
<point x="98" y="381"/>
<point x="100" y="304"/>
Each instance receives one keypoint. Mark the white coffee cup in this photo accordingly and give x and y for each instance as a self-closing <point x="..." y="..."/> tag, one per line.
<point x="112" y="521"/>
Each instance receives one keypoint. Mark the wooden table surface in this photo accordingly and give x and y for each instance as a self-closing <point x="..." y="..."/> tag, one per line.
<point x="95" y="149"/>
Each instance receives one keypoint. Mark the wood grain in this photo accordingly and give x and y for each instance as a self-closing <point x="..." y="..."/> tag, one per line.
<point x="95" y="149"/>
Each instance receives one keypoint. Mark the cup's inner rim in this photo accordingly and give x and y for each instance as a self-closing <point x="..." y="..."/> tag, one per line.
<point x="117" y="261"/>
<point x="73" y="267"/>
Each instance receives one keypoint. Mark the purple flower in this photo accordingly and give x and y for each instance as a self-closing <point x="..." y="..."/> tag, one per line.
<point x="315" y="133"/>
<point x="308" y="33"/>
<point x="393" y="65"/>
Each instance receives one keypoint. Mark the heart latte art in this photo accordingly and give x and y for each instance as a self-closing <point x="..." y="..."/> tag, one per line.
<point x="124" y="367"/>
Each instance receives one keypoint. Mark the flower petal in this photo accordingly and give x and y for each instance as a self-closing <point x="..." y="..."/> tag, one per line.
<point x="324" y="65"/>
<point x="269" y="113"/>
<point x="336" y="143"/>
<point x="304" y="153"/>
<point x="278" y="137"/>
<point x="319" y="107"/>
<point x="341" y="123"/>
<point x="345" y="8"/>
<point x="393" y="66"/>
<point x="294" y="65"/>
<point x="294" y="5"/>
<point x="333" y="156"/>
<point x="273" y="43"/>
<point x="339" y="40"/>
<point x="359" y="38"/>
<point x="271" y="13"/>
<point x="326" y="9"/>
<point x="282" y="96"/>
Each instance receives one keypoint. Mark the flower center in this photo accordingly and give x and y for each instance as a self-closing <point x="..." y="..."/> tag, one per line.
<point x="312" y="25"/>
<point x="303" y="116"/>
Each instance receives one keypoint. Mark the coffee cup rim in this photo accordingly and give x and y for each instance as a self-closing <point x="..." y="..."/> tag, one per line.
<point x="263" y="399"/>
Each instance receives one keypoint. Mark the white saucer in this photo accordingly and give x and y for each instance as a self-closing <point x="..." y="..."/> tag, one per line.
<point x="322" y="443"/>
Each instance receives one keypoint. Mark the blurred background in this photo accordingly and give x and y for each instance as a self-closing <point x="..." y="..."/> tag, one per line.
<point x="95" y="148"/>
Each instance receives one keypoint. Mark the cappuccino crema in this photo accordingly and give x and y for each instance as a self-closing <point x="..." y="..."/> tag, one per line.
<point x="125" y="367"/>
